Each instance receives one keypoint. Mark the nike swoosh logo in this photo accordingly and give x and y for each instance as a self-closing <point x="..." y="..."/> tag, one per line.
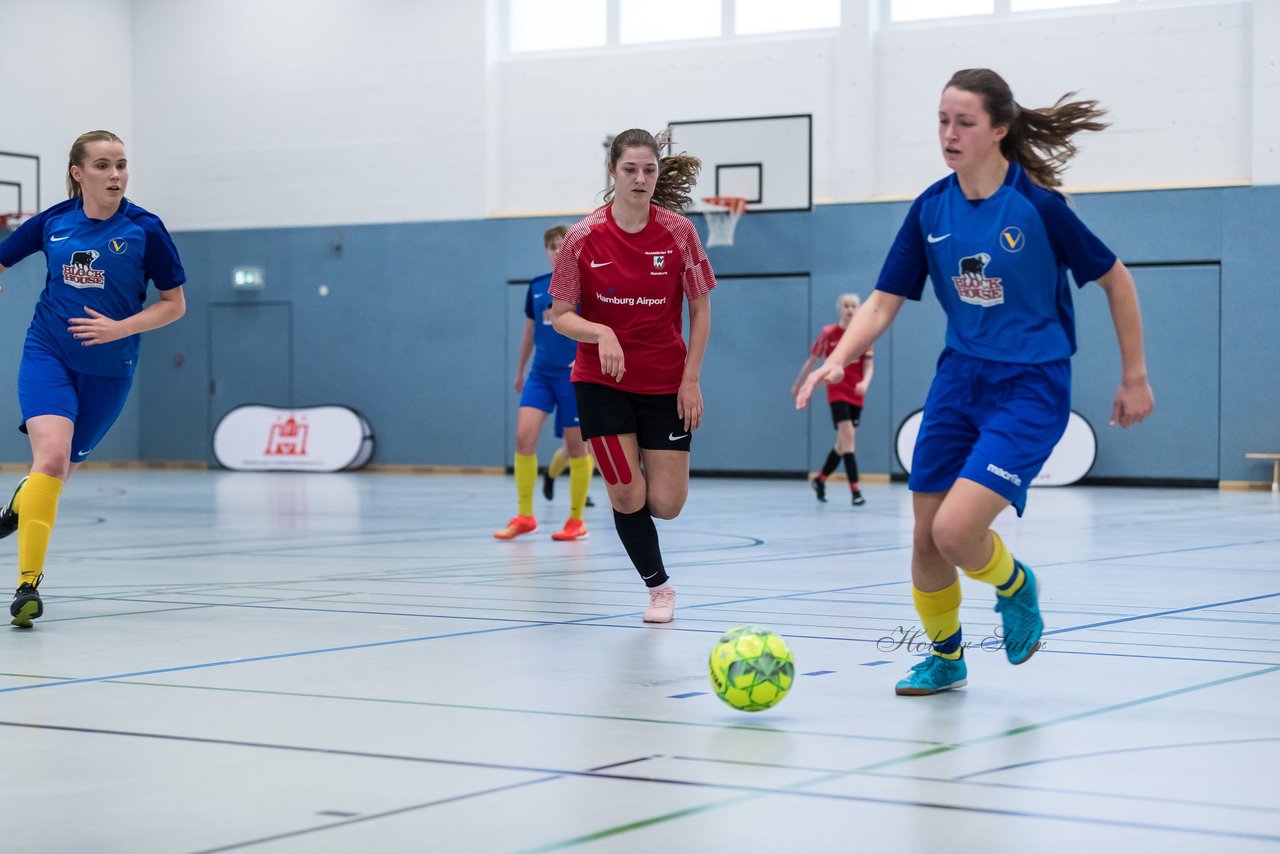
<point x="83" y="453"/>
<point x="605" y="264"/>
<point x="933" y="239"/>
<point x="56" y="239"/>
<point x="672" y="437"/>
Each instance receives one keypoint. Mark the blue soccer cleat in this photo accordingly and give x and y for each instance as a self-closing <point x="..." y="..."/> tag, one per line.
<point x="1020" y="614"/>
<point x="932" y="675"/>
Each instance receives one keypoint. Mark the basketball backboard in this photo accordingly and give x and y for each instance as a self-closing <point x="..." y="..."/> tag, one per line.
<point x="768" y="160"/>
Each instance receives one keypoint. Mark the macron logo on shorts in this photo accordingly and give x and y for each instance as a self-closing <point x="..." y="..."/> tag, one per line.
<point x="999" y="472"/>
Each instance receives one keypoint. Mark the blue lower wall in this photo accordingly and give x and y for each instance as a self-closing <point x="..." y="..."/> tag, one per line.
<point x="414" y="332"/>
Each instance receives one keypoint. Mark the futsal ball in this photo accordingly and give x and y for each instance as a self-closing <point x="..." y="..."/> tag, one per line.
<point x="751" y="668"/>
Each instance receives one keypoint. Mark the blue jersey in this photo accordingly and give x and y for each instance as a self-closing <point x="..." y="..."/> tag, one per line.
<point x="102" y="264"/>
<point x="551" y="350"/>
<point x="999" y="267"/>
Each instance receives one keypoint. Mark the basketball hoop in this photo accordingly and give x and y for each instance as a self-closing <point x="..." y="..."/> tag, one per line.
<point x="723" y="213"/>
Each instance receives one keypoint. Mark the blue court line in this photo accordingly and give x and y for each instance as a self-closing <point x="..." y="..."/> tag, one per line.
<point x="540" y="623"/>
<point x="1163" y="613"/>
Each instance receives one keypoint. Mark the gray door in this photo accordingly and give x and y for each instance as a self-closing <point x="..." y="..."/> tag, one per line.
<point x="250" y="356"/>
<point x="759" y="338"/>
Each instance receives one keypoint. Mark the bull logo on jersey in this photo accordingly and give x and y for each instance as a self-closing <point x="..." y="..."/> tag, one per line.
<point x="973" y="285"/>
<point x="80" y="273"/>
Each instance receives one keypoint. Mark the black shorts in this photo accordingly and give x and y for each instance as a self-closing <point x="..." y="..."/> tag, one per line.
<point x="843" y="410"/>
<point x="604" y="411"/>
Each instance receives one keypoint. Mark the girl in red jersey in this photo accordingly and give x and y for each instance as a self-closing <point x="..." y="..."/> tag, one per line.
<point x="618" y="286"/>
<point x="845" y="399"/>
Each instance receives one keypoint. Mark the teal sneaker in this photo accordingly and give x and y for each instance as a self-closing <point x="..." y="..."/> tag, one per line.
<point x="9" y="516"/>
<point x="27" y="605"/>
<point x="932" y="675"/>
<point x="1020" y="614"/>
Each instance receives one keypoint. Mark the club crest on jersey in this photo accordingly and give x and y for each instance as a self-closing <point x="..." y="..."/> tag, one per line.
<point x="117" y="245"/>
<point x="972" y="284"/>
<point x="1012" y="239"/>
<point x="80" y="273"/>
<point x="658" y="261"/>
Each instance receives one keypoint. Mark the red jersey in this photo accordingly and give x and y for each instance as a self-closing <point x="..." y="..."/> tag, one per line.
<point x="632" y="283"/>
<point x="828" y="338"/>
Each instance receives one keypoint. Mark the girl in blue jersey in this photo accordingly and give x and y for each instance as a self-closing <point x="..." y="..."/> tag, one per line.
<point x="997" y="240"/>
<point x="82" y="345"/>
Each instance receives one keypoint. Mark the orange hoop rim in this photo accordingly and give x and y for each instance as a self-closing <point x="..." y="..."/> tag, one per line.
<point x="16" y="217"/>
<point x="733" y="204"/>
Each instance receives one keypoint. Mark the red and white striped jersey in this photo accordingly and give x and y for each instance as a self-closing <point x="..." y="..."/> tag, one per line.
<point x="633" y="283"/>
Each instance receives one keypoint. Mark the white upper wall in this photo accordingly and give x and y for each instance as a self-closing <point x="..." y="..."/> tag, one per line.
<point x="307" y="112"/>
<point x="251" y="113"/>
<point x="67" y="69"/>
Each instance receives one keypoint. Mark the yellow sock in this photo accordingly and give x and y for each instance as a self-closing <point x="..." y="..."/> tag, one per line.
<point x="1000" y="571"/>
<point x="35" y="524"/>
<point x="940" y="615"/>
<point x="559" y="460"/>
<point x="579" y="480"/>
<point x="526" y="477"/>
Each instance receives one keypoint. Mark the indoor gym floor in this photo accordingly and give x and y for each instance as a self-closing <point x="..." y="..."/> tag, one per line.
<point x="240" y="662"/>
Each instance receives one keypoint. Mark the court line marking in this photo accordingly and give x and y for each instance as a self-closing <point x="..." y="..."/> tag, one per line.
<point x="579" y="840"/>
<point x="746" y="792"/>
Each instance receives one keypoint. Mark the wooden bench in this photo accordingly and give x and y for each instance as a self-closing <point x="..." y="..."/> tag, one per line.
<point x="1275" y="470"/>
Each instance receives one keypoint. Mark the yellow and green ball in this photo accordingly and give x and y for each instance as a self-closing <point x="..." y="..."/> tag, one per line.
<point x="751" y="668"/>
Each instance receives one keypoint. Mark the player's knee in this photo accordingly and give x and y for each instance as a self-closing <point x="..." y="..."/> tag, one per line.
<point x="54" y="462"/>
<point x="951" y="536"/>
<point x="665" y="508"/>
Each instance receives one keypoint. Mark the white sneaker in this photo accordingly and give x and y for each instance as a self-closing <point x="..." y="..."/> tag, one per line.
<point x="662" y="605"/>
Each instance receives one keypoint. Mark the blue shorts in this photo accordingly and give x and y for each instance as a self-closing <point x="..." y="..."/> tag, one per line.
<point x="46" y="386"/>
<point x="994" y="423"/>
<point x="551" y="391"/>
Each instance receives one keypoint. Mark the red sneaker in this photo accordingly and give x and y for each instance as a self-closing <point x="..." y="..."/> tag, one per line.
<point x="574" y="529"/>
<point x="517" y="526"/>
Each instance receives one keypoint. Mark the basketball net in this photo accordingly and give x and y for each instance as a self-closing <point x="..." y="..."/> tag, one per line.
<point x="723" y="213"/>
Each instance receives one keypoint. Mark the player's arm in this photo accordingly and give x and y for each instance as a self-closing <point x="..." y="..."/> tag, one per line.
<point x="804" y="372"/>
<point x="689" y="398"/>
<point x="100" y="329"/>
<point x="526" y="350"/>
<point x="870" y="322"/>
<point x="566" y="320"/>
<point x="2" y="269"/>
<point x="1134" y="400"/>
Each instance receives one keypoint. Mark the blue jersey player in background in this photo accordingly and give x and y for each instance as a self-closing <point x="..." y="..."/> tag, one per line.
<point x="82" y="345"/>
<point x="547" y="389"/>
<point x="997" y="240"/>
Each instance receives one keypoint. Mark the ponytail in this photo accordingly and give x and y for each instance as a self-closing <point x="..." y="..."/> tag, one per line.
<point x="1038" y="140"/>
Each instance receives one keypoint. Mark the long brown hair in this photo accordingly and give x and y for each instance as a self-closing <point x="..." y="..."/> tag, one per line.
<point x="676" y="172"/>
<point x="76" y="158"/>
<point x="1039" y="140"/>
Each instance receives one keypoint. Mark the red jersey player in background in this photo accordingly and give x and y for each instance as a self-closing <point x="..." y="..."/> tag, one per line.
<point x="620" y="281"/>
<point x="845" y="398"/>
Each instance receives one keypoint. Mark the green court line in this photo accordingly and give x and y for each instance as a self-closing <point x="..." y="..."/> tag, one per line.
<point x="660" y="819"/>
<point x="1070" y="718"/>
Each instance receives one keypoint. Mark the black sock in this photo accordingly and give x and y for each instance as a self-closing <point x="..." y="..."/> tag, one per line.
<point x="833" y="460"/>
<point x="851" y="466"/>
<point x="640" y="538"/>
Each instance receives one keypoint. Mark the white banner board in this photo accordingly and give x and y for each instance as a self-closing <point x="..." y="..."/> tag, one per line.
<point x="314" y="438"/>
<point x="1070" y="461"/>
